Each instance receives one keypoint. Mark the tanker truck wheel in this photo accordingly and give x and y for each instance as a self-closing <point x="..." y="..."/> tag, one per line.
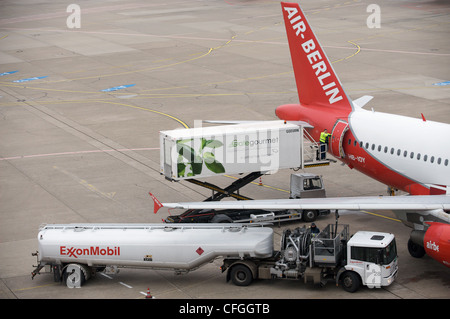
<point x="241" y="275"/>
<point x="75" y="275"/>
<point x="350" y="281"/>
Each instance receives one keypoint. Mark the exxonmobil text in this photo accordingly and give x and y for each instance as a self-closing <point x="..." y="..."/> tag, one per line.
<point x="91" y="251"/>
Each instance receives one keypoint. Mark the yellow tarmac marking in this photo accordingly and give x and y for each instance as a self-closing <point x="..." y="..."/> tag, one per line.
<point x="150" y="110"/>
<point x="86" y="184"/>
<point x="382" y="216"/>
<point x="352" y="55"/>
<point x="41" y="286"/>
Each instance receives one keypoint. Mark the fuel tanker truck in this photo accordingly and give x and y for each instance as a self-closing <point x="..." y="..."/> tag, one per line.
<point x="75" y="252"/>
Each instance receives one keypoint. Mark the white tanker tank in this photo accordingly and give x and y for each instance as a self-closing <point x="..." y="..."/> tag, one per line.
<point x="75" y="251"/>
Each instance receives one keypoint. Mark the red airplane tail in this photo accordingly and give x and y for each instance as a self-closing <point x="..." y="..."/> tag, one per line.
<point x="317" y="83"/>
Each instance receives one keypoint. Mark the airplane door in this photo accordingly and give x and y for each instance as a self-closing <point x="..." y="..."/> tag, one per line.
<point x="337" y="136"/>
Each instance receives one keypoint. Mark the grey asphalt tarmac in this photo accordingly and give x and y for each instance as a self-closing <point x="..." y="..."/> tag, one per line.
<point x="83" y="99"/>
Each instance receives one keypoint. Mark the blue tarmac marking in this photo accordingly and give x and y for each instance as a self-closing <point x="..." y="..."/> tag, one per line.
<point x="30" y="79"/>
<point x="442" y="83"/>
<point x="7" y="73"/>
<point x="120" y="87"/>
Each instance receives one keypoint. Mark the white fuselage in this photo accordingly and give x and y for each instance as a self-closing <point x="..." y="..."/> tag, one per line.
<point x="416" y="149"/>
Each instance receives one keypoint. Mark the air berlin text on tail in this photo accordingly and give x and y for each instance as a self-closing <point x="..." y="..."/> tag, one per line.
<point x="314" y="56"/>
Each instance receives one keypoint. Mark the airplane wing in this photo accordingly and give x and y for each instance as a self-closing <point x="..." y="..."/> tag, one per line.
<point x="413" y="211"/>
<point x="416" y="203"/>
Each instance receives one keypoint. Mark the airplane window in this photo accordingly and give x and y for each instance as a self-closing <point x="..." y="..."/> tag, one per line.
<point x="392" y="150"/>
<point x="405" y="153"/>
<point x="439" y="161"/>
<point x="349" y="141"/>
<point x="432" y="159"/>
<point x="425" y="157"/>
<point x="373" y="147"/>
<point x="385" y="149"/>
<point x="418" y="156"/>
<point x="361" y="144"/>
<point x="379" y="148"/>
<point x="446" y="162"/>
<point x="412" y="154"/>
<point x="367" y="145"/>
<point x="355" y="143"/>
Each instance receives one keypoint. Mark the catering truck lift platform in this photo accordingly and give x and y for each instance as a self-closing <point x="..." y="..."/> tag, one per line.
<point x="254" y="149"/>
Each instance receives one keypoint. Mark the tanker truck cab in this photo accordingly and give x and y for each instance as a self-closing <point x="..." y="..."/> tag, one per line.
<point x="371" y="261"/>
<point x="366" y="258"/>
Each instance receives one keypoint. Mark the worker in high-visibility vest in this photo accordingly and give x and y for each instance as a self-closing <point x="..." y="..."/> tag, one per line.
<point x="323" y="143"/>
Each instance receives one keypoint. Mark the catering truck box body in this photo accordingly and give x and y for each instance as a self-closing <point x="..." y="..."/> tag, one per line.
<point x="230" y="149"/>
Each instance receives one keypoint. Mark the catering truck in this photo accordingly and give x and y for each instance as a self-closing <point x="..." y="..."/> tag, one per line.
<point x="229" y="149"/>
<point x="266" y="146"/>
<point x="302" y="185"/>
<point x="75" y="252"/>
<point x="250" y="149"/>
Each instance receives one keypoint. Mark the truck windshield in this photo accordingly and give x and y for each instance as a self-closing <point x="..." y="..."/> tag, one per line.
<point x="312" y="183"/>
<point x="382" y="256"/>
<point x="389" y="253"/>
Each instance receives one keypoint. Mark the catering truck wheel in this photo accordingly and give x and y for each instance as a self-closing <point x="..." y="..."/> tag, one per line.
<point x="309" y="215"/>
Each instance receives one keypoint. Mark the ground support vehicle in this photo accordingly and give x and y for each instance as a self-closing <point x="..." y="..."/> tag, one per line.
<point x="302" y="185"/>
<point x="252" y="148"/>
<point x="266" y="146"/>
<point x="75" y="252"/>
<point x="367" y="258"/>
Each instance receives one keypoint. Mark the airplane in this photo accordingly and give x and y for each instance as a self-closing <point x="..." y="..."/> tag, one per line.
<point x="404" y="153"/>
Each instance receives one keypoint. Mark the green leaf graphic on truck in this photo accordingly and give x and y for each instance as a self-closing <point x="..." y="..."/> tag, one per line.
<point x="190" y="162"/>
